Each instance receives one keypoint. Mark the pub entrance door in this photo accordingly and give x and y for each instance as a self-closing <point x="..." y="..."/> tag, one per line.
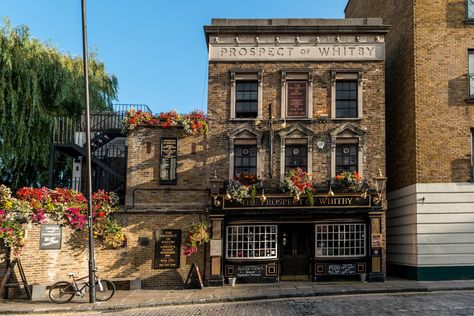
<point x="295" y="251"/>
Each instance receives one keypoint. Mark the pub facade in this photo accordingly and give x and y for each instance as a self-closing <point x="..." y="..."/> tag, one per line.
<point x="291" y="98"/>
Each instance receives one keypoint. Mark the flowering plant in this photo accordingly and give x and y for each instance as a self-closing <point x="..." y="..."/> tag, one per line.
<point x="197" y="236"/>
<point x="244" y="185"/>
<point x="69" y="206"/>
<point x="298" y="182"/>
<point x="347" y="182"/>
<point x="194" y="123"/>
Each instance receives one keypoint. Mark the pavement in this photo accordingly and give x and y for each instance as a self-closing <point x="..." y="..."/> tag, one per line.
<point x="124" y="300"/>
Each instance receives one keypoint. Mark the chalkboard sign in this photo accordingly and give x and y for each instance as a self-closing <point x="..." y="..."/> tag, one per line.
<point x="167" y="249"/>
<point x="50" y="237"/>
<point x="168" y="160"/>
<point x="249" y="271"/>
<point x="341" y="269"/>
<point x="194" y="278"/>
<point x="296" y="98"/>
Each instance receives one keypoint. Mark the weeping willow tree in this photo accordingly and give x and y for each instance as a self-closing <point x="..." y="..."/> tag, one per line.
<point x="37" y="83"/>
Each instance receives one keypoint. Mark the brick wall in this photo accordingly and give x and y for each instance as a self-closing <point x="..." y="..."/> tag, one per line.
<point x="400" y="85"/>
<point x="428" y="129"/>
<point x="372" y="122"/>
<point x="133" y="261"/>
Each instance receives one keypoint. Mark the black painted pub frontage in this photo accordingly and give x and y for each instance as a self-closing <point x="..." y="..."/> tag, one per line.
<point x="280" y="238"/>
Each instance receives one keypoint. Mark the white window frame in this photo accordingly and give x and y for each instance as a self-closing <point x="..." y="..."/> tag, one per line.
<point x="236" y="75"/>
<point x="347" y="74"/>
<point x="230" y="243"/>
<point x="296" y="75"/>
<point x="363" y="229"/>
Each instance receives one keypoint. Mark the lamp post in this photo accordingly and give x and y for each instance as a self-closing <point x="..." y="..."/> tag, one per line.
<point x="88" y="156"/>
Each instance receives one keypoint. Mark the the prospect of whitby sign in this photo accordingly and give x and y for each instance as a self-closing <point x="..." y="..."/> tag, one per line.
<point x="352" y="201"/>
<point x="167" y="250"/>
<point x="320" y="52"/>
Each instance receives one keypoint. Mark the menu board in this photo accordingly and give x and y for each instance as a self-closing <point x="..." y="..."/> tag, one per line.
<point x="249" y="271"/>
<point x="341" y="269"/>
<point x="167" y="249"/>
<point x="168" y="161"/>
<point x="50" y="237"/>
<point x="296" y="106"/>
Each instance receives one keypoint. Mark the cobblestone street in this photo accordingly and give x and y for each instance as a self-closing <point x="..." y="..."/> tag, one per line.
<point x="414" y="304"/>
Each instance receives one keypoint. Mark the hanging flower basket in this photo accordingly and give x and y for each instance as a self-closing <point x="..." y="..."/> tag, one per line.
<point x="299" y="182"/>
<point x="197" y="236"/>
<point x="347" y="182"/>
<point x="243" y="186"/>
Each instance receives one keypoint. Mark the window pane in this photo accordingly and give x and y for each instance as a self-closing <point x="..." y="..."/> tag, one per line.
<point x="470" y="9"/>
<point x="346" y="98"/>
<point x="341" y="243"/>
<point x="246" y="99"/>
<point x="296" y="157"/>
<point x="346" y="158"/>
<point x="245" y="159"/>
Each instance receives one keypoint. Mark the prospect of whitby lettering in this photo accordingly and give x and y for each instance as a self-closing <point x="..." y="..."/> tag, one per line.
<point x="320" y="52"/>
<point x="285" y="202"/>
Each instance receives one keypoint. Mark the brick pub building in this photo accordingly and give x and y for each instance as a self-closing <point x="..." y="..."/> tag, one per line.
<point x="283" y="93"/>
<point x="430" y="121"/>
<point x="287" y="93"/>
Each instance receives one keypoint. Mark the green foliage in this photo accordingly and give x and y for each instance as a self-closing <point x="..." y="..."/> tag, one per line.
<point x="37" y="82"/>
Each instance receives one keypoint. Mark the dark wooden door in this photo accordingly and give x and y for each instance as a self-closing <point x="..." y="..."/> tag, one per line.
<point x="294" y="252"/>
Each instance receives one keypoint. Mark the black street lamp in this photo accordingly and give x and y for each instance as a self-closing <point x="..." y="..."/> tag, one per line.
<point x="88" y="156"/>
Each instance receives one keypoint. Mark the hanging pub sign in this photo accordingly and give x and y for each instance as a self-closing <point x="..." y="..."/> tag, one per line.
<point x="320" y="202"/>
<point x="167" y="248"/>
<point x="168" y="160"/>
<point x="50" y="237"/>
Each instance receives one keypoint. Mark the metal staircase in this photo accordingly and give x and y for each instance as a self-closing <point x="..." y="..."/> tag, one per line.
<point x="108" y="147"/>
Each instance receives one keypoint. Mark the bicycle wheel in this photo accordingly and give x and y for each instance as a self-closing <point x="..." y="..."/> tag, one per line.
<point x="61" y="292"/>
<point x="104" y="290"/>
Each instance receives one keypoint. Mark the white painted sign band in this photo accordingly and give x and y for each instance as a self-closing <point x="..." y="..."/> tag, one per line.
<point x="345" y="52"/>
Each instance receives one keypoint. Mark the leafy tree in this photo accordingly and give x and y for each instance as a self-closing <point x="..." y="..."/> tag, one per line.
<point x="37" y="83"/>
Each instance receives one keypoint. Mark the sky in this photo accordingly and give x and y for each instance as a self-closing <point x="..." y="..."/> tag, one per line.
<point x="156" y="48"/>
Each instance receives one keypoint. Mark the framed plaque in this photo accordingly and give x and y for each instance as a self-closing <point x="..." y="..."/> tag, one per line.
<point x="296" y="103"/>
<point x="168" y="160"/>
<point x="376" y="240"/>
<point x="50" y="237"/>
<point x="167" y="248"/>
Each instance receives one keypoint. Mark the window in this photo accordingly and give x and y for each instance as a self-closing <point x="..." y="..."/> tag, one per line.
<point x="470" y="10"/>
<point x="346" y="158"/>
<point x="297" y="94"/>
<point x="245" y="159"/>
<point x="251" y="242"/>
<point x="246" y="100"/>
<point x="340" y="240"/>
<point x="296" y="156"/>
<point x="471" y="74"/>
<point x="346" y="98"/>
<point x="346" y="94"/>
<point x="472" y="154"/>
<point x="246" y="94"/>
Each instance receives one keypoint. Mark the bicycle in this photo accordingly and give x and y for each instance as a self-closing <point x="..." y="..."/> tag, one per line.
<point x="64" y="291"/>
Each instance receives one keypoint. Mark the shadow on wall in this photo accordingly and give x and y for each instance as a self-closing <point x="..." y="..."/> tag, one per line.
<point x="461" y="170"/>
<point x="458" y="92"/>
<point x="455" y="14"/>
